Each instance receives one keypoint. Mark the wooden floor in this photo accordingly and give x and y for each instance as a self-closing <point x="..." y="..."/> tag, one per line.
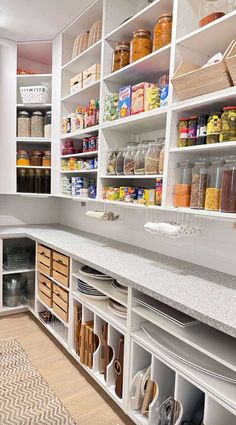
<point x="86" y="402"/>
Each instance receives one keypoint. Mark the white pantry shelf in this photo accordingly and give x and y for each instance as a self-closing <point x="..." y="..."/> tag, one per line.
<point x="83" y="96"/>
<point x="145" y="121"/>
<point x="145" y="69"/>
<point x="34" y="167"/>
<point x="34" y="79"/>
<point x="80" y="172"/>
<point x="80" y="155"/>
<point x="82" y="61"/>
<point x="132" y="176"/>
<point x="34" y="106"/>
<point x="207" y="214"/>
<point x="52" y="311"/>
<point x="79" y="134"/>
<point x="212" y="147"/>
<point x="33" y="139"/>
<point x="7" y="272"/>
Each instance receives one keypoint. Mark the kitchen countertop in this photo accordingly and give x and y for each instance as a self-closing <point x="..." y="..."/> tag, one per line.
<point x="207" y="295"/>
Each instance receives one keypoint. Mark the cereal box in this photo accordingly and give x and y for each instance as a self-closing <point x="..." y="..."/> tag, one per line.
<point x="124" y="105"/>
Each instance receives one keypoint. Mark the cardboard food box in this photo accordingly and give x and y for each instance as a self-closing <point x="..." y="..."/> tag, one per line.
<point x="111" y="107"/>
<point x="76" y="83"/>
<point x="91" y="75"/>
<point x="124" y="105"/>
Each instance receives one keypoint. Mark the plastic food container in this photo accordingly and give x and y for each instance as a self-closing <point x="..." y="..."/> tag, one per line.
<point x="228" y="196"/>
<point x="182" y="190"/>
<point x="199" y="184"/>
<point x="152" y="158"/>
<point x="23" y="124"/>
<point x="214" y="183"/>
<point x="37" y="125"/>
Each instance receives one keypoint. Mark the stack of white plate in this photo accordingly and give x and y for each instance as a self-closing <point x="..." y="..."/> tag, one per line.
<point x="118" y="287"/>
<point x="117" y="309"/>
<point x="95" y="274"/>
<point x="89" y="291"/>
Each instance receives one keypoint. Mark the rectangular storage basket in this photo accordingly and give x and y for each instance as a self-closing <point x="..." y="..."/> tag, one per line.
<point x="34" y="94"/>
<point x="231" y="62"/>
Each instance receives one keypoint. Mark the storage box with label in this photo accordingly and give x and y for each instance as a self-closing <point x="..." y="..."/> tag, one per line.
<point x="76" y="83"/>
<point x="124" y="105"/>
<point x="91" y="75"/>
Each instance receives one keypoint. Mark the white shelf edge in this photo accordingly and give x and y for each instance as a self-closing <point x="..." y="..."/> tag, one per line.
<point x="78" y="93"/>
<point x="132" y="176"/>
<point x="33" y="76"/>
<point x="133" y="118"/>
<point x="7" y="272"/>
<point x="207" y="147"/>
<point x="33" y="139"/>
<point x="80" y="172"/>
<point x="80" y="57"/>
<point x="33" y="105"/>
<point x="80" y="133"/>
<point x="34" y="167"/>
<point x="80" y="155"/>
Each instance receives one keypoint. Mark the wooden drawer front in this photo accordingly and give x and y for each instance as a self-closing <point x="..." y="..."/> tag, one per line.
<point x="44" y="260"/>
<point x="46" y="252"/>
<point x="61" y="293"/>
<point x="61" y="259"/>
<point x="64" y="280"/>
<point x="61" y="313"/>
<point x="60" y="268"/>
<point x="44" y="269"/>
<point x="57" y="300"/>
<point x="45" y="286"/>
<point x="47" y="300"/>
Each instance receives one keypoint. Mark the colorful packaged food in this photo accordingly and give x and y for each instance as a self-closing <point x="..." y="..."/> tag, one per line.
<point x="128" y="194"/>
<point x="152" y="98"/>
<point x="158" y="191"/>
<point x="149" y="196"/>
<point x="124" y="105"/>
<point x="111" y="107"/>
<point x="163" y="84"/>
<point x="138" y="98"/>
<point x="141" y="196"/>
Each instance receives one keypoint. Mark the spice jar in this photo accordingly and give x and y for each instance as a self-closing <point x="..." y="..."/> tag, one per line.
<point x="213" y="128"/>
<point x="129" y="160"/>
<point x="140" y="158"/>
<point x="192" y="131"/>
<point x="183" y="133"/>
<point x="228" y="124"/>
<point x="121" y="56"/>
<point x="23" y="158"/>
<point x="228" y="192"/>
<point x="202" y="129"/>
<point x="120" y="162"/>
<point x="23" y="124"/>
<point x="162" y="31"/>
<point x="48" y="125"/>
<point x="36" y="158"/>
<point x="199" y="184"/>
<point x="47" y="159"/>
<point x="37" y="129"/>
<point x="111" y="161"/>
<point x="152" y="158"/>
<point x="141" y="45"/>
<point x="210" y="10"/>
<point x="214" y="182"/>
<point x="183" y="184"/>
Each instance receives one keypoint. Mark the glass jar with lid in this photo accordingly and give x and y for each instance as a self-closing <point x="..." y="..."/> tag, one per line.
<point x="47" y="124"/>
<point x="228" y="124"/>
<point x="213" y="128"/>
<point x="141" y="45"/>
<point x="162" y="31"/>
<point x="23" y="158"/>
<point x="214" y="182"/>
<point x="46" y="159"/>
<point x="152" y="158"/>
<point x="36" y="158"/>
<point x="23" y="124"/>
<point x="37" y="128"/>
<point x="47" y="181"/>
<point x="38" y="181"/>
<point x="161" y="142"/>
<point x="31" y="180"/>
<point x="140" y="157"/>
<point x="121" y="56"/>
<point x="183" y="133"/>
<point x="192" y="131"/>
<point x="210" y="10"/>
<point x="202" y="129"/>
<point x="129" y="160"/>
<point x="183" y="181"/>
<point x="120" y="162"/>
<point x="228" y="192"/>
<point x="199" y="184"/>
<point x="22" y="180"/>
<point x="111" y="161"/>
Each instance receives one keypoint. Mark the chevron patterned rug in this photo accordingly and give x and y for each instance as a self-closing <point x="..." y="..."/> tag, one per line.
<point x="25" y="397"/>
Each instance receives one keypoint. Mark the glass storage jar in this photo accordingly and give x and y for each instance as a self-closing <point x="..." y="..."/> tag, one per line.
<point x="182" y="190"/>
<point x="152" y="158"/>
<point x="213" y="128"/>
<point x="36" y="158"/>
<point x="37" y="129"/>
<point x="22" y="180"/>
<point x="31" y="180"/>
<point x="183" y="133"/>
<point x="121" y="56"/>
<point x="192" y="131"/>
<point x="47" y="124"/>
<point x="23" y="124"/>
<point x="162" y="31"/>
<point x="111" y="161"/>
<point x="202" y="129"/>
<point x="46" y="187"/>
<point x="23" y="158"/>
<point x="228" y="124"/>
<point x="210" y="10"/>
<point x="129" y="160"/>
<point x="162" y="155"/>
<point x="214" y="183"/>
<point x="228" y="192"/>
<point x="141" y="45"/>
<point x="46" y="159"/>
<point x="199" y="184"/>
<point x="140" y="158"/>
<point x="38" y="181"/>
<point x="120" y="162"/>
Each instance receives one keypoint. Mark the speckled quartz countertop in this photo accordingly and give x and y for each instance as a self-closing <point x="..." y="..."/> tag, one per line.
<point x="205" y="294"/>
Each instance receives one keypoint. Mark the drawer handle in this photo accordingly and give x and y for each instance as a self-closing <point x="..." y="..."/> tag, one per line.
<point x="60" y="262"/>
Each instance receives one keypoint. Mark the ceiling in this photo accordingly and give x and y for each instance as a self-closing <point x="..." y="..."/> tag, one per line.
<point x="23" y="20"/>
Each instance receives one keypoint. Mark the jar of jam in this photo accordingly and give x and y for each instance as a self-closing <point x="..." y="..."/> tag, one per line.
<point x="47" y="159"/>
<point x="162" y="31"/>
<point x="213" y="128"/>
<point x="121" y="56"/>
<point x="228" y="124"/>
<point x="228" y="192"/>
<point x="36" y="158"/>
<point x="183" y="133"/>
<point x="23" y="158"/>
<point x="141" y="45"/>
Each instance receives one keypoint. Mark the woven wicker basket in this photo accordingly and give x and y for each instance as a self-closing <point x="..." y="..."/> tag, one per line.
<point x="80" y="44"/>
<point x="190" y="80"/>
<point x="95" y="33"/>
<point x="231" y="62"/>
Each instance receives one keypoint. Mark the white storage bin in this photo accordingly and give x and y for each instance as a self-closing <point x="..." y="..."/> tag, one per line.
<point x="34" y="94"/>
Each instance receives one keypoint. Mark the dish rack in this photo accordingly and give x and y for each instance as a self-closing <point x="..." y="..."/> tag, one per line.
<point x="34" y="94"/>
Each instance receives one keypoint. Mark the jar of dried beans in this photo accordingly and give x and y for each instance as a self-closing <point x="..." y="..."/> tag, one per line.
<point x="37" y="124"/>
<point x="111" y="161"/>
<point x="199" y="184"/>
<point x="162" y="31"/>
<point x="183" y="184"/>
<point x="129" y="160"/>
<point x="214" y="183"/>
<point x="141" y="45"/>
<point x="228" y="193"/>
<point x="152" y="158"/>
<point x="23" y="124"/>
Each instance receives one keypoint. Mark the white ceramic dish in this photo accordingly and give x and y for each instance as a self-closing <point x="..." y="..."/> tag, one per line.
<point x="98" y="275"/>
<point x="116" y="312"/>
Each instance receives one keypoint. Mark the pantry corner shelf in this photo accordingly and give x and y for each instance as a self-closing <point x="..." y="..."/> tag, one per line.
<point x="34" y="79"/>
<point x="84" y="94"/>
<point x="35" y="106"/>
<point x="84" y="58"/>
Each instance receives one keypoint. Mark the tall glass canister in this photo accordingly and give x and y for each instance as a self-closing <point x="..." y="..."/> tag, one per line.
<point x="214" y="183"/>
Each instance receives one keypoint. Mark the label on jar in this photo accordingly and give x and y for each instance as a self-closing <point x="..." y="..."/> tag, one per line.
<point x="202" y="131"/>
<point x="214" y="126"/>
<point x="183" y="134"/>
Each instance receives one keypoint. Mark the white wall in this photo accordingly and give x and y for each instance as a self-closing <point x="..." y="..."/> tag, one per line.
<point x="18" y="210"/>
<point x="214" y="249"/>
